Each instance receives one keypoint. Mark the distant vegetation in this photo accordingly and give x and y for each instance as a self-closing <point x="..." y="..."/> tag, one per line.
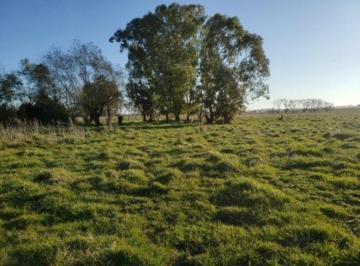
<point x="256" y="192"/>
<point x="302" y="105"/>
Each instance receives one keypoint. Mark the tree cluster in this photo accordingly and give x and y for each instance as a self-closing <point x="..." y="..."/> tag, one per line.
<point x="181" y="62"/>
<point x="303" y="105"/>
<point x="63" y="86"/>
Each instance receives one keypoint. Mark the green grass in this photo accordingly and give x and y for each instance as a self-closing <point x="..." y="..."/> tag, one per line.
<point x="256" y="192"/>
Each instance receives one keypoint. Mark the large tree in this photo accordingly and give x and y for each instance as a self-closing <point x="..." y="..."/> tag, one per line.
<point x="233" y="67"/>
<point x="139" y="38"/>
<point x="162" y="57"/>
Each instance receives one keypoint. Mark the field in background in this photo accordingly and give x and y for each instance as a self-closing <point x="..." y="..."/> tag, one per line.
<point x="257" y="192"/>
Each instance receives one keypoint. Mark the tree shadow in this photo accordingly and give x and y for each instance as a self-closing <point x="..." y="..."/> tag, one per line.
<point x="155" y="126"/>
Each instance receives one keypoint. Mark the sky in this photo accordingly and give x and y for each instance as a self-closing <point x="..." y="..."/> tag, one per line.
<point x="313" y="46"/>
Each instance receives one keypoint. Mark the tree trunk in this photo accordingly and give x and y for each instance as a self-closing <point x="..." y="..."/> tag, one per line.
<point x="227" y="119"/>
<point x="177" y="117"/>
<point x="144" y="116"/>
<point x="108" y="120"/>
<point x="86" y="119"/>
<point x="73" y="119"/>
<point x="97" y="120"/>
<point x="201" y="115"/>
<point x="210" y="119"/>
<point x="188" y="118"/>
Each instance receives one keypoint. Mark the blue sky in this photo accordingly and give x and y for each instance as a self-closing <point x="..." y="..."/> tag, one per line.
<point x="313" y="46"/>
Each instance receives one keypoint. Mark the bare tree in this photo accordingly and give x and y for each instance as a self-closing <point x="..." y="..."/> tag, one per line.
<point x="277" y="104"/>
<point x="76" y="67"/>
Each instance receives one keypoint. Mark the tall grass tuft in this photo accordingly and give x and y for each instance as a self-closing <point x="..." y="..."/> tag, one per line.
<point x="28" y="132"/>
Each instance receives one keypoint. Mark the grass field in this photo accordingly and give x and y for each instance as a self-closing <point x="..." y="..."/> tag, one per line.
<point x="257" y="192"/>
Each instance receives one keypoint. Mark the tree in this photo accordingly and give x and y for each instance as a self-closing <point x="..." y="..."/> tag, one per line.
<point x="45" y="110"/>
<point x="39" y="97"/>
<point x="162" y="57"/>
<point x="63" y="68"/>
<point x="277" y="104"/>
<point x="233" y="67"/>
<point x="179" y="33"/>
<point x="192" y="103"/>
<point x="71" y="70"/>
<point x="10" y="85"/>
<point x="98" y="96"/>
<point x="292" y="104"/>
<point x="139" y="38"/>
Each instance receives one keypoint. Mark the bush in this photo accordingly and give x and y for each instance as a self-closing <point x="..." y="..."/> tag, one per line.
<point x="7" y="115"/>
<point x="46" y="112"/>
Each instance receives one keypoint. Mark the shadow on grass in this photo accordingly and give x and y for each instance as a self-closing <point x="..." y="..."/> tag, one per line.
<point x="159" y="125"/>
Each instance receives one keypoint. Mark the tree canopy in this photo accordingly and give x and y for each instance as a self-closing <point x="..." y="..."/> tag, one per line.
<point x="233" y="67"/>
<point x="179" y="62"/>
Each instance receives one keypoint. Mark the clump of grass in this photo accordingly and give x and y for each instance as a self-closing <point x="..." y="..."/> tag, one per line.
<point x="339" y="135"/>
<point x="250" y="194"/>
<point x="346" y="183"/>
<point x="129" y="164"/>
<point x="134" y="175"/>
<point x="336" y="212"/>
<point x="165" y="175"/>
<point x="237" y="216"/>
<point x="49" y="134"/>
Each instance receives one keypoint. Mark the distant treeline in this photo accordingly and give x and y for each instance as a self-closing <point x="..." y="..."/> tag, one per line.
<point x="181" y="63"/>
<point x="302" y="104"/>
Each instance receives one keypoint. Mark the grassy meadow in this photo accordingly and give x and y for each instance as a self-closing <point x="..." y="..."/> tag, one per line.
<point x="259" y="191"/>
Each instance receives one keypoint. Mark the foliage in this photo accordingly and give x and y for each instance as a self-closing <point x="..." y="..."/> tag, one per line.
<point x="73" y="70"/>
<point x="30" y="95"/>
<point x="259" y="191"/>
<point x="233" y="67"/>
<point x="53" y="90"/>
<point x="97" y="96"/>
<point x="180" y="62"/>
<point x="10" y="85"/>
<point x="45" y="110"/>
<point x="162" y="57"/>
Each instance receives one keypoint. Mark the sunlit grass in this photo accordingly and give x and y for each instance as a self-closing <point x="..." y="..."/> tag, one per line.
<point x="257" y="192"/>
